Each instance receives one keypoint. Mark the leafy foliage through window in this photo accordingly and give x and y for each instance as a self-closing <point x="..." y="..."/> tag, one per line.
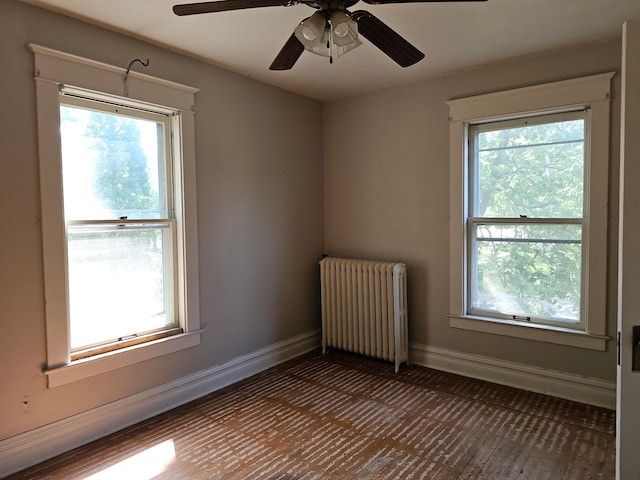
<point x="526" y="227"/>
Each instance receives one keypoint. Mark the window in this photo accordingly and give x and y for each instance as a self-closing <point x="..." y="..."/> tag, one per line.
<point x="525" y="223"/>
<point x="529" y="173"/>
<point x="118" y="216"/>
<point x="120" y="227"/>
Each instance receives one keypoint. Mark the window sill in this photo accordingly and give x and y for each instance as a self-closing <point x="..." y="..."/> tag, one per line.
<point x="88" y="367"/>
<point x="540" y="333"/>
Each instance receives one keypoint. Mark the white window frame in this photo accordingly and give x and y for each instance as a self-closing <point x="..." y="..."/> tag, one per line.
<point x="57" y="72"/>
<point x="71" y="97"/>
<point x="473" y="221"/>
<point x="589" y="93"/>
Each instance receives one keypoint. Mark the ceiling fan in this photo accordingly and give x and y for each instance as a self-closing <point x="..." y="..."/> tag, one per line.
<point x="332" y="28"/>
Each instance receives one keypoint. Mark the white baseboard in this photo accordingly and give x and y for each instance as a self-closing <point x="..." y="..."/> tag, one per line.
<point x="591" y="391"/>
<point x="34" y="446"/>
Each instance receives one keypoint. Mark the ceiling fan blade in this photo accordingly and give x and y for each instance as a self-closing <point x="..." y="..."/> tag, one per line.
<point x="289" y="54"/>
<point x="224" y="6"/>
<point x="380" y="2"/>
<point x="386" y="39"/>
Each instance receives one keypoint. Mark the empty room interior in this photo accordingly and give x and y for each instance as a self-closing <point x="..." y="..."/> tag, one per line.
<point x="272" y="161"/>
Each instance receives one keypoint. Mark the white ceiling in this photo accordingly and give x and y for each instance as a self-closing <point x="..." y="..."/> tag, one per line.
<point x="453" y="36"/>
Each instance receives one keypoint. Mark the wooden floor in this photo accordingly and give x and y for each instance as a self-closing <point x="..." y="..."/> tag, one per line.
<point x="339" y="416"/>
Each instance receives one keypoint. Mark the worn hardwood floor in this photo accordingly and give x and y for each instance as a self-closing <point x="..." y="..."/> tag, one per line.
<point x="340" y="416"/>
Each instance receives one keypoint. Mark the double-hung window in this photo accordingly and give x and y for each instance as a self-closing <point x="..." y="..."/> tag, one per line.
<point x="120" y="224"/>
<point x="119" y="220"/>
<point x="529" y="174"/>
<point x="526" y="219"/>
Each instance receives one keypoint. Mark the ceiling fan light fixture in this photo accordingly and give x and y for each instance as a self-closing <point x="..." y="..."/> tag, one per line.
<point x="339" y="34"/>
<point x="314" y="35"/>
<point x="345" y="32"/>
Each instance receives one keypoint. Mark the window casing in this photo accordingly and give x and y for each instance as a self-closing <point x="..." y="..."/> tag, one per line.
<point x="65" y="81"/>
<point x="571" y="233"/>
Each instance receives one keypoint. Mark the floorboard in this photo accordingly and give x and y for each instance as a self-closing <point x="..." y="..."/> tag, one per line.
<point x="341" y="416"/>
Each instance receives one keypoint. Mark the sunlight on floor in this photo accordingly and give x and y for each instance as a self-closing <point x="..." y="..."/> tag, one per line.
<point x="142" y="466"/>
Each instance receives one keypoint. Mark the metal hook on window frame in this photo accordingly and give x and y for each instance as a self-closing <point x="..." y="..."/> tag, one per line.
<point x="144" y="63"/>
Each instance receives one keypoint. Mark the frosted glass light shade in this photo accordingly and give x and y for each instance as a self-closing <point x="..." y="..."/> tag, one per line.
<point x="314" y="34"/>
<point x="345" y="33"/>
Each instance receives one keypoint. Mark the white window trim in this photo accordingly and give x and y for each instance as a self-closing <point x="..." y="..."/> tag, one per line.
<point x="56" y="71"/>
<point x="591" y="93"/>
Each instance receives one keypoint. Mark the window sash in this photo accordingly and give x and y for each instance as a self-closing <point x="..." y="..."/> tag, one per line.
<point x="167" y="161"/>
<point x="169" y="276"/>
<point x="475" y="129"/>
<point x="473" y="267"/>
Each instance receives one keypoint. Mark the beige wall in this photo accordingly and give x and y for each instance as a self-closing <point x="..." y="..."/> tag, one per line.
<point x="387" y="188"/>
<point x="260" y="207"/>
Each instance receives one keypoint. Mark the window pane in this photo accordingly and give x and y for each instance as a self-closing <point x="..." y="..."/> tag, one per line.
<point x="112" y="165"/>
<point x="533" y="170"/>
<point x="117" y="282"/>
<point x="531" y="270"/>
